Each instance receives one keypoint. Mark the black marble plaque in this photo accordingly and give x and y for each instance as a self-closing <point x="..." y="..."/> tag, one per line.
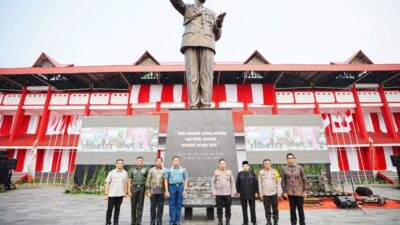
<point x="200" y="138"/>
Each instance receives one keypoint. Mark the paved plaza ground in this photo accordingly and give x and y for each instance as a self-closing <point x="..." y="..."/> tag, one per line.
<point x="48" y="205"/>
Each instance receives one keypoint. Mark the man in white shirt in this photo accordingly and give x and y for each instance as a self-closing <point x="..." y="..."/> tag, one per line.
<point x="116" y="187"/>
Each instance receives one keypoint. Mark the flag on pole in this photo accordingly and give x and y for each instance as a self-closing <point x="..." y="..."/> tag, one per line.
<point x="325" y="120"/>
<point x="340" y="124"/>
<point x="372" y="152"/>
<point x="32" y="161"/>
<point x="348" y="118"/>
<point x="337" y="120"/>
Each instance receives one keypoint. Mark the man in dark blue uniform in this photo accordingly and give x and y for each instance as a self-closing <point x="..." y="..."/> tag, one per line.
<point x="247" y="188"/>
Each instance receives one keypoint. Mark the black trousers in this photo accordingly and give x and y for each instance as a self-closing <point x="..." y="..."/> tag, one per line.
<point x="221" y="202"/>
<point x="113" y="203"/>
<point x="156" y="208"/>
<point x="271" y="202"/>
<point x="137" y="201"/>
<point x="296" y="202"/>
<point x="252" y="204"/>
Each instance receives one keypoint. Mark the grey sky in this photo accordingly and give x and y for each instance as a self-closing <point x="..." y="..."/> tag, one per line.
<point x="114" y="32"/>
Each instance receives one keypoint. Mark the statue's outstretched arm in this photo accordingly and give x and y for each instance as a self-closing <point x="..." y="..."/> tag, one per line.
<point x="218" y="26"/>
<point x="179" y="5"/>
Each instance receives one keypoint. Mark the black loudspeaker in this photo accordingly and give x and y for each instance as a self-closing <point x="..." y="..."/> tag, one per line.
<point x="395" y="160"/>
<point x="345" y="202"/>
<point x="364" y="191"/>
<point x="3" y="160"/>
<point x="3" y="167"/>
<point x="3" y="177"/>
<point x="12" y="164"/>
<point x="3" y="154"/>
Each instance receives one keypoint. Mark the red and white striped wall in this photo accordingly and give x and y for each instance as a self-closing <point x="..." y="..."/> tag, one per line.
<point x="6" y="122"/>
<point x="174" y="96"/>
<point x="58" y="124"/>
<point x="29" y="124"/>
<point x="66" y="109"/>
<point x="49" y="160"/>
<point x="374" y="122"/>
<point x="358" y="159"/>
<point x="170" y="96"/>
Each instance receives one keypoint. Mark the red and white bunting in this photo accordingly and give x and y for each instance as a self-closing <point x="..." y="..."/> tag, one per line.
<point x="75" y="125"/>
<point x="56" y="125"/>
<point x="339" y="124"/>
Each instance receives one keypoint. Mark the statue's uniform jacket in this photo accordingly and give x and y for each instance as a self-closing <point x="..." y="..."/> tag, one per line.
<point x="200" y="26"/>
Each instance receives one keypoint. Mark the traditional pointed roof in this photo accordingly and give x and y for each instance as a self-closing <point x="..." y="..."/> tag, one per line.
<point x="45" y="60"/>
<point x="358" y="58"/>
<point x="146" y="59"/>
<point x="256" y="58"/>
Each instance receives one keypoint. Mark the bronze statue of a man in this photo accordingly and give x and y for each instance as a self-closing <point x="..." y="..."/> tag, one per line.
<point x="202" y="30"/>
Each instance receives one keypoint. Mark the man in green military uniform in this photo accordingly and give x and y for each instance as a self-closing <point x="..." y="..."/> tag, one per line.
<point x="137" y="184"/>
<point x="202" y="30"/>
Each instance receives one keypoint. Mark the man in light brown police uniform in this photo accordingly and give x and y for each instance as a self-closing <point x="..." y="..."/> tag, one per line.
<point x="116" y="187"/>
<point x="202" y="30"/>
<point x="269" y="185"/>
<point x="223" y="187"/>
